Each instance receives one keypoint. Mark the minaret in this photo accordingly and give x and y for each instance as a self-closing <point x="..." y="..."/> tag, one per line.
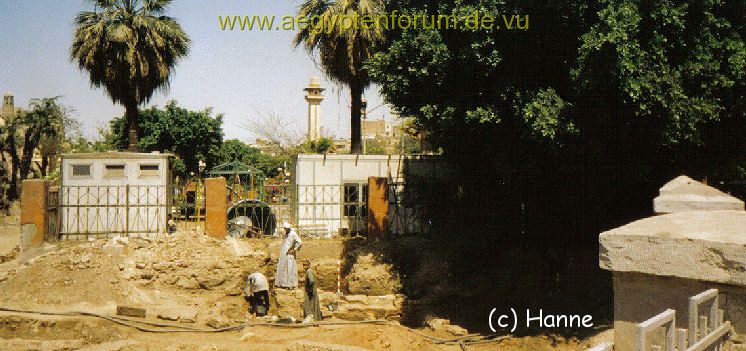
<point x="314" y="98"/>
<point x="9" y="110"/>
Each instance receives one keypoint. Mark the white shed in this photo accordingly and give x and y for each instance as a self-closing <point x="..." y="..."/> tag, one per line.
<point x="104" y="194"/>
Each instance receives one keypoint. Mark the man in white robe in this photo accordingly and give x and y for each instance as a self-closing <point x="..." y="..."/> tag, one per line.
<point x="287" y="268"/>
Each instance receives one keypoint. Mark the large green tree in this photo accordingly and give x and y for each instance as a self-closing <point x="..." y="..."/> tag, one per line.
<point x="130" y="48"/>
<point x="635" y="91"/>
<point x="569" y="127"/>
<point x="343" y="50"/>
<point x="236" y="150"/>
<point x="190" y="135"/>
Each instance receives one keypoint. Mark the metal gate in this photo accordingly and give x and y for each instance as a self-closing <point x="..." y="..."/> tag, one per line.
<point x="314" y="210"/>
<point x="105" y="211"/>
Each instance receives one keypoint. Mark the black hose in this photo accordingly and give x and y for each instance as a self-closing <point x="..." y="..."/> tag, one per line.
<point x="174" y="328"/>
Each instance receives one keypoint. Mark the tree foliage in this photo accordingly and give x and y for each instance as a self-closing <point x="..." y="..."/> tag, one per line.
<point x="129" y="48"/>
<point x="631" y="90"/>
<point x="321" y="146"/>
<point x="190" y="135"/>
<point x="568" y="128"/>
<point x="236" y="150"/>
<point x="343" y="50"/>
<point x="40" y="128"/>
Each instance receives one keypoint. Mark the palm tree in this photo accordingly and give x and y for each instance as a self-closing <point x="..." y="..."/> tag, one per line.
<point x="130" y="48"/>
<point x="343" y="50"/>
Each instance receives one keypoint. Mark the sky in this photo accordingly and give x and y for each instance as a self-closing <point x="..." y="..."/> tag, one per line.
<point x="241" y="74"/>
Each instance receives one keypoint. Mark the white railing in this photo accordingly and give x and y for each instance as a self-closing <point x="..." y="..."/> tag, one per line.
<point x="705" y="332"/>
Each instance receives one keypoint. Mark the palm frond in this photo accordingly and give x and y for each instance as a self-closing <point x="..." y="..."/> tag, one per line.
<point x="128" y="47"/>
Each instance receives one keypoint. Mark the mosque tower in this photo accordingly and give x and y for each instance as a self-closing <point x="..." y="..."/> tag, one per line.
<point x="314" y="98"/>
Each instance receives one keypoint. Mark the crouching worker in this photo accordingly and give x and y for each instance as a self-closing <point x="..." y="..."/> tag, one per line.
<point x="311" y="308"/>
<point x="257" y="294"/>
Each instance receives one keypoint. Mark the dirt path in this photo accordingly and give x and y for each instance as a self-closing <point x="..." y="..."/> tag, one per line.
<point x="9" y="238"/>
<point x="30" y="331"/>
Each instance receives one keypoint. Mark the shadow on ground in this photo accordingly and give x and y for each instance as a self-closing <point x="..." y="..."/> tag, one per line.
<point x="462" y="278"/>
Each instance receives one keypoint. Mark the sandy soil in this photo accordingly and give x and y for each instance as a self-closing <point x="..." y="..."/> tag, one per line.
<point x="186" y="271"/>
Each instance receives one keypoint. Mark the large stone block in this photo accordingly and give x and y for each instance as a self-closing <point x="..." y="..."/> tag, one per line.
<point x="659" y="262"/>
<point x="685" y="194"/>
<point x="699" y="245"/>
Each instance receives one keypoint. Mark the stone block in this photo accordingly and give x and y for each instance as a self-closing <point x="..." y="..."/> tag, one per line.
<point x="188" y="315"/>
<point x="699" y="245"/>
<point x="131" y="311"/>
<point x="168" y="315"/>
<point x="658" y="263"/>
<point x="685" y="194"/>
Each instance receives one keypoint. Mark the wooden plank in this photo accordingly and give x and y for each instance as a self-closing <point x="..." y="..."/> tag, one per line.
<point x="710" y="338"/>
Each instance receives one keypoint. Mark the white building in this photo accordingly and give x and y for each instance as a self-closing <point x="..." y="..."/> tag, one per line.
<point x="114" y="193"/>
<point x="331" y="190"/>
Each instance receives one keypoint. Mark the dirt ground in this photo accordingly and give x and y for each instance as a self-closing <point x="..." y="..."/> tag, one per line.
<point x="189" y="280"/>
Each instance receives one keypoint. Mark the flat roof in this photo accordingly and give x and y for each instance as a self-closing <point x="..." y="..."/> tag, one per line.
<point x="116" y="155"/>
<point x="367" y="157"/>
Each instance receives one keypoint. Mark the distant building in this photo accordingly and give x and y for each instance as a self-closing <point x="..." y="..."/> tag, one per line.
<point x="380" y="128"/>
<point x="8" y="111"/>
<point x="341" y="146"/>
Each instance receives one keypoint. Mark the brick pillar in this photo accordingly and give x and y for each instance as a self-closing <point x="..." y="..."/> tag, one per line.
<point x="216" y="216"/>
<point x="378" y="207"/>
<point x="33" y="212"/>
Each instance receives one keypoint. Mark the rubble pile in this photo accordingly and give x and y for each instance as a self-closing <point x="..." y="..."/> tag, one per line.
<point x="190" y="261"/>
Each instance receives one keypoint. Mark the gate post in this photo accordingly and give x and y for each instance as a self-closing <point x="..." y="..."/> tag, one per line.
<point x="216" y="215"/>
<point x="378" y="207"/>
<point x="33" y="212"/>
